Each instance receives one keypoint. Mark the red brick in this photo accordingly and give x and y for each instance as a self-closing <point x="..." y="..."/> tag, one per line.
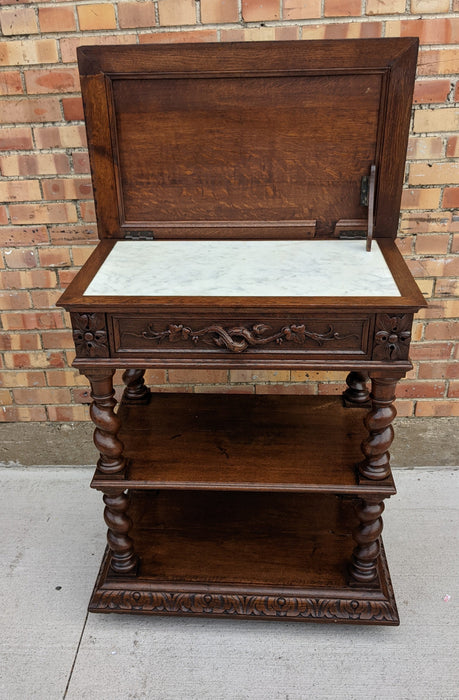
<point x="219" y="12"/>
<point x="16" y="139"/>
<point x="429" y="31"/>
<point x="434" y="174"/>
<point x="93" y="17"/>
<point x="21" y="258"/>
<point x="52" y="80"/>
<point x="10" y="83"/>
<point x="262" y="33"/>
<point x="256" y="10"/>
<point x="455" y="244"/>
<point x="25" y="360"/>
<point x="65" y="277"/>
<point x="427" y="244"/>
<point x="198" y="376"/>
<point x="136" y="14"/>
<point x="45" y="298"/>
<point x="56" y="19"/>
<point x="41" y="395"/>
<point x="419" y="390"/>
<point x="81" y="395"/>
<point x="73" y="108"/>
<point x="177" y="12"/>
<point x="342" y="8"/>
<point x="425" y="222"/>
<point x="285" y="389"/>
<point x="14" y="300"/>
<point x="437" y="408"/>
<point x="54" y="257"/>
<point x="15" y="414"/>
<point x="302" y="9"/>
<point x="343" y="30"/>
<point x="18" y="21"/>
<point x="26" y="109"/>
<point x="69" y="136"/>
<point x="60" y="235"/>
<point x="81" y="254"/>
<point x="49" y="213"/>
<point x="23" y="279"/>
<point x="439" y="370"/>
<point x="447" y="286"/>
<point x="427" y="91"/>
<point x="431" y="351"/>
<point x="69" y="44"/>
<point x="442" y="330"/>
<point x="385" y="7"/>
<point x="62" y="414"/>
<point x="452" y="147"/>
<point x="21" y="379"/>
<point x="249" y="376"/>
<point x="19" y="190"/>
<point x="17" y="236"/>
<point x="438" y="62"/>
<point x="417" y="198"/>
<point x="65" y="377"/>
<point x="80" y="162"/>
<point x="3" y="216"/>
<point x="450" y="198"/>
<point x="429" y="6"/>
<point x="404" y="407"/>
<point x="87" y="211"/>
<point x="32" y="320"/>
<point x="20" y="341"/>
<point x="35" y="164"/>
<point x="405" y="244"/>
<point x="201" y="35"/>
<point x="453" y="391"/>
<point x="67" y="188"/>
<point x="28" y="51"/>
<point x="57" y="339"/>
<point x="424" y="147"/>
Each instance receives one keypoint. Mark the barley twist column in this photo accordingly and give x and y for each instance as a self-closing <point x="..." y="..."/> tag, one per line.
<point x="136" y="391"/>
<point x="364" y="561"/>
<point x="107" y="423"/>
<point x="378" y="422"/>
<point x="357" y="394"/>
<point x="123" y="559"/>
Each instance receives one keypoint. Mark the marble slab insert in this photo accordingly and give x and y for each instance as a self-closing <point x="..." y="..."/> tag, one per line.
<point x="335" y="268"/>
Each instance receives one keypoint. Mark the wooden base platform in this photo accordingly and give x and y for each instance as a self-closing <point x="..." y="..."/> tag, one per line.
<point x="244" y="554"/>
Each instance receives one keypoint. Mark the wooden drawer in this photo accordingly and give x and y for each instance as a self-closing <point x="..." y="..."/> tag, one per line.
<point x="212" y="337"/>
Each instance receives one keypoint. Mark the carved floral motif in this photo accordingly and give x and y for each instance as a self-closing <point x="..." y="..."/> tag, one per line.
<point x="392" y="337"/>
<point x="90" y="335"/>
<point x="239" y="338"/>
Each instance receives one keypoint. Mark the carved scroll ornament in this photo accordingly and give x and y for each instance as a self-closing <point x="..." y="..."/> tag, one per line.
<point x="392" y="337"/>
<point x="239" y="338"/>
<point x="90" y="335"/>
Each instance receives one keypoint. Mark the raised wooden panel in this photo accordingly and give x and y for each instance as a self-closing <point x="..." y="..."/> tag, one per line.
<point x="264" y="336"/>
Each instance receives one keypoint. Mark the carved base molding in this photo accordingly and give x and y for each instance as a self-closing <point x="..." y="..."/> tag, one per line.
<point x="142" y="596"/>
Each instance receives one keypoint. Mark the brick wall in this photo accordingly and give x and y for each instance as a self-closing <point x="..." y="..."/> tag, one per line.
<point x="47" y="227"/>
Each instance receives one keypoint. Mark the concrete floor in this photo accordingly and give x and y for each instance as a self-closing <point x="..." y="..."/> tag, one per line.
<point x="52" y="541"/>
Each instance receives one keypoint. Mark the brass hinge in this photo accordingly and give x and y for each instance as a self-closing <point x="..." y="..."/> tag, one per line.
<point x="139" y="236"/>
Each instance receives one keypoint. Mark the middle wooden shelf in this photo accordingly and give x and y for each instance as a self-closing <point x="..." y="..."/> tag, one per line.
<point x="243" y="443"/>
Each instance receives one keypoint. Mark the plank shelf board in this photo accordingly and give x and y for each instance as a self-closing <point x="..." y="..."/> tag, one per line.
<point x="242" y="442"/>
<point x="267" y="555"/>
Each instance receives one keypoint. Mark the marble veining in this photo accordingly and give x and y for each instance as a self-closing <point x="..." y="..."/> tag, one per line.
<point x="334" y="268"/>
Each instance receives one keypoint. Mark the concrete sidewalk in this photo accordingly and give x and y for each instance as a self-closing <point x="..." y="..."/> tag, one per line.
<point x="52" y="540"/>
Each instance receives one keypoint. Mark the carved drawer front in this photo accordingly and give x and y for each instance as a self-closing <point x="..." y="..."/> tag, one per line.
<point x="162" y="335"/>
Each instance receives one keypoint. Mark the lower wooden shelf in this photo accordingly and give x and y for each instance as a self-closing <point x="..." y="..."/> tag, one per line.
<point x="244" y="554"/>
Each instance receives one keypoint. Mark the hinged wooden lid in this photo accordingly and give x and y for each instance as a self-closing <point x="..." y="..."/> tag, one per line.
<point x="265" y="139"/>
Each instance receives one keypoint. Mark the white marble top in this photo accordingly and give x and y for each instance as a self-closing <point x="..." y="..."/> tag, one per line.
<point x="334" y="268"/>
